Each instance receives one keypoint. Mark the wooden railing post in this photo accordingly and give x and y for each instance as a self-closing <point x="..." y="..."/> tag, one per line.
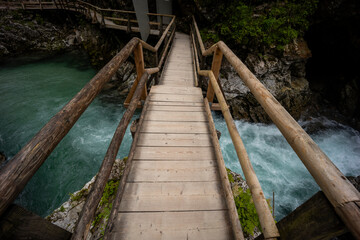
<point x="215" y="68"/>
<point x="140" y="68"/>
<point x="161" y="26"/>
<point x="128" y="29"/>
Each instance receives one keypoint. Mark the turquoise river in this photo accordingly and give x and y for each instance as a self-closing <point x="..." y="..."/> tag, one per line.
<point x="33" y="89"/>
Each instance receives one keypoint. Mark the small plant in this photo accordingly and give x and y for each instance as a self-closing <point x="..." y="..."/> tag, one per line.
<point x="230" y="176"/>
<point x="79" y="195"/>
<point x="105" y="202"/>
<point x="62" y="209"/>
<point x="246" y="210"/>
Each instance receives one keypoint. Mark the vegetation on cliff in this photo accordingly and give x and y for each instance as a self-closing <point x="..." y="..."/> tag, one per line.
<point x="259" y="23"/>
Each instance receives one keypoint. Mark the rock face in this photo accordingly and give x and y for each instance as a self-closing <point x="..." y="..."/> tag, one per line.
<point x="67" y="215"/>
<point x="283" y="76"/>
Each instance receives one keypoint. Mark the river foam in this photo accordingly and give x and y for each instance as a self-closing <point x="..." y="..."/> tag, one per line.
<point x="278" y="168"/>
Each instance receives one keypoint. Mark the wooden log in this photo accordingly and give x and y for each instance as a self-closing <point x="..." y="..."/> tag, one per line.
<point x="215" y="68"/>
<point x="158" y="44"/>
<point x="19" y="223"/>
<point x="233" y="214"/>
<point x="92" y="201"/>
<point x="266" y="220"/>
<point x="113" y="215"/>
<point x="314" y="219"/>
<point x="140" y="68"/>
<point x="19" y="170"/>
<point x="333" y="183"/>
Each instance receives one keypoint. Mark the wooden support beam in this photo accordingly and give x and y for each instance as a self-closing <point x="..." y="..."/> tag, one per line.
<point x="19" y="170"/>
<point x="92" y="201"/>
<point x="233" y="214"/>
<point x="314" y="219"/>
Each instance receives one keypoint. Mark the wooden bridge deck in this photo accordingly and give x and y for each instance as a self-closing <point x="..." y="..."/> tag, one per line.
<point x="173" y="190"/>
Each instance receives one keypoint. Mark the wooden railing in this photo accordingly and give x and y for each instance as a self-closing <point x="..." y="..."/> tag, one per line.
<point x="121" y="19"/>
<point x="20" y="169"/>
<point x="340" y="192"/>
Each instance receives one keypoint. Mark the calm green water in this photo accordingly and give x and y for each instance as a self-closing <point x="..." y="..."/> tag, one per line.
<point x="31" y="92"/>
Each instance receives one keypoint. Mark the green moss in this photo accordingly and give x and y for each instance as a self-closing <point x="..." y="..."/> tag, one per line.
<point x="105" y="203"/>
<point x="231" y="178"/>
<point x="62" y="209"/>
<point x="275" y="25"/>
<point x="79" y="195"/>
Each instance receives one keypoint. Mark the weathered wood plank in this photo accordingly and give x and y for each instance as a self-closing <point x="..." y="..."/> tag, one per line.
<point x="175" y="153"/>
<point x="174" y="127"/>
<point x="183" y="140"/>
<point x="178" y="84"/>
<point x="172" y="203"/>
<point x="177" y="90"/>
<point x="173" y="225"/>
<point x="175" y="98"/>
<point x="173" y="171"/>
<point x="173" y="188"/>
<point x="175" y="116"/>
<point x="176" y="108"/>
<point x="19" y="223"/>
<point x="192" y="104"/>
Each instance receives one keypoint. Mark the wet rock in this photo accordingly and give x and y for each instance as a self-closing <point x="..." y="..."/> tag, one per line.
<point x="66" y="216"/>
<point x="283" y="76"/>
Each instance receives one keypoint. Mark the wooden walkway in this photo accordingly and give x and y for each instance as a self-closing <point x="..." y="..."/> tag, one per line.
<point x="173" y="190"/>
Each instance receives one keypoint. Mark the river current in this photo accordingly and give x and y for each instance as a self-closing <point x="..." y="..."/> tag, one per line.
<point x="32" y="90"/>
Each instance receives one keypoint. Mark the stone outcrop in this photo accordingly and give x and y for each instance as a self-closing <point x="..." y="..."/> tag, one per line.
<point x="67" y="214"/>
<point x="283" y="76"/>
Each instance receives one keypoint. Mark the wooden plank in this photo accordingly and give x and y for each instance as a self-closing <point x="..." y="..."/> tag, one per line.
<point x="175" y="153"/>
<point x="173" y="171"/>
<point x="182" y="140"/>
<point x="173" y="225"/>
<point x="183" y="104"/>
<point x="19" y="223"/>
<point x="173" y="67"/>
<point x="178" y="84"/>
<point x="176" y="108"/>
<point x="172" y="203"/>
<point x="175" y="98"/>
<point x="188" y="75"/>
<point x="174" y="127"/>
<point x="314" y="219"/>
<point x="175" y="116"/>
<point x="179" y="78"/>
<point x="173" y="188"/>
<point x="177" y="90"/>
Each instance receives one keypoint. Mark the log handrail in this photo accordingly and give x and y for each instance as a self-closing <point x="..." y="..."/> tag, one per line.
<point x="340" y="192"/>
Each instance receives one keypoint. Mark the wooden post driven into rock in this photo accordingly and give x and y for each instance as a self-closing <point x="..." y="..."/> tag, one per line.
<point x="15" y="175"/>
